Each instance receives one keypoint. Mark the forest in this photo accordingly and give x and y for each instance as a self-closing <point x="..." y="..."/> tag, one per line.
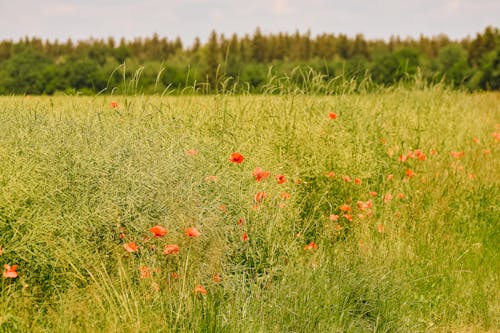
<point x="244" y="63"/>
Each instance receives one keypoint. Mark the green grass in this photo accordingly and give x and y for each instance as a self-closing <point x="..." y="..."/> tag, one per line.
<point x="75" y="174"/>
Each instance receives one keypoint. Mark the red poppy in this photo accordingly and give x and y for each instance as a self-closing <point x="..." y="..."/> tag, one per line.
<point x="311" y="246"/>
<point x="236" y="158"/>
<point x="10" y="272"/>
<point x="1" y="250"/>
<point x="373" y="193"/>
<point x="285" y="195"/>
<point x="332" y="115"/>
<point x="171" y="249"/>
<point x="158" y="231"/>
<point x="199" y="289"/>
<point x="387" y="197"/>
<point x="244" y="237"/>
<point x="347" y="179"/>
<point x="280" y="178"/>
<point x="175" y="275"/>
<point x="131" y="247"/>
<point x="192" y="232"/>
<point x="260" y="174"/>
<point x="409" y="173"/>
<point x="216" y="278"/>
<point x="345" y="208"/>
<point x="259" y="196"/>
<point x="334" y="217"/>
<point x="348" y="217"/>
<point x="331" y="174"/>
<point x="357" y="181"/>
<point x="114" y="104"/>
<point x="457" y="154"/>
<point x="192" y="152"/>
<point x="145" y="273"/>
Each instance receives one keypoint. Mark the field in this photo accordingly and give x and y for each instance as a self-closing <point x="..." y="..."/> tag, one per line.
<point x="368" y="212"/>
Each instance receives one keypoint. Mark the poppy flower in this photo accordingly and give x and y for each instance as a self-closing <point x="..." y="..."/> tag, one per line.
<point x="311" y="246"/>
<point x="347" y="179"/>
<point x="175" y="275"/>
<point x="280" y="178"/>
<point x="357" y="181"/>
<point x="241" y="220"/>
<point x="114" y="104"/>
<point x="487" y="151"/>
<point x="199" y="289"/>
<point x="330" y="174"/>
<point x="457" y="154"/>
<point x="10" y="272"/>
<point x="401" y="196"/>
<point x="158" y="231"/>
<point x="380" y="228"/>
<point x="192" y="152"/>
<point x="389" y="177"/>
<point x="409" y="173"/>
<point x="192" y="232"/>
<point x="1" y="250"/>
<point x="131" y="247"/>
<point x="145" y="273"/>
<point x="476" y="140"/>
<point x="345" y="208"/>
<point x="260" y="174"/>
<point x="285" y="195"/>
<point x="334" y="217"/>
<point x="387" y="197"/>
<point x="332" y="115"/>
<point x="244" y="237"/>
<point x="216" y="278"/>
<point x="259" y="196"/>
<point x="171" y="249"/>
<point x="236" y="158"/>
<point x="373" y="193"/>
<point x="348" y="217"/>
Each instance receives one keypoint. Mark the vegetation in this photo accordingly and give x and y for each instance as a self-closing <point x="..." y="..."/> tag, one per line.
<point x="376" y="211"/>
<point x="33" y="66"/>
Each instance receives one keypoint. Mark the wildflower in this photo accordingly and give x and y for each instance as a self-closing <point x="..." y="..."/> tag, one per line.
<point x="285" y="195"/>
<point x="223" y="208"/>
<point x="383" y="141"/>
<point x="131" y="247"/>
<point x="260" y="174"/>
<point x="331" y="174"/>
<point x="373" y="193"/>
<point x="158" y="231"/>
<point x="338" y="227"/>
<point x="199" y="289"/>
<point x="192" y="152"/>
<point x="1" y="251"/>
<point x="380" y="228"/>
<point x="213" y="179"/>
<point x="241" y="220"/>
<point x="487" y="152"/>
<point x="334" y="217"/>
<point x="114" y="104"/>
<point x="403" y="158"/>
<point x="345" y="208"/>
<point x="389" y="177"/>
<point x="347" y="179"/>
<point x="175" y="275"/>
<point x="192" y="232"/>
<point x="280" y="178"/>
<point x="332" y="115"/>
<point x="476" y="140"/>
<point x="171" y="249"/>
<point x="457" y="154"/>
<point x="409" y="173"/>
<point x="387" y="197"/>
<point x="216" y="278"/>
<point x="311" y="246"/>
<point x="236" y="158"/>
<point x="10" y="272"/>
<point x="145" y="273"/>
<point x="259" y="196"/>
<point x="357" y="181"/>
<point x="496" y="136"/>
<point x="401" y="196"/>
<point x="348" y="217"/>
<point x="244" y="237"/>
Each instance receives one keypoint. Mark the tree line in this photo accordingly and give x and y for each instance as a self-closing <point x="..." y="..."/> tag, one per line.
<point x="36" y="66"/>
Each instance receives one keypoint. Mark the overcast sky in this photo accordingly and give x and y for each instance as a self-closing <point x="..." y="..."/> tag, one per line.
<point x="57" y="19"/>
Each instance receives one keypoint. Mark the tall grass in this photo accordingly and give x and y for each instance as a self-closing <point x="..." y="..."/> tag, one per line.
<point x="78" y="179"/>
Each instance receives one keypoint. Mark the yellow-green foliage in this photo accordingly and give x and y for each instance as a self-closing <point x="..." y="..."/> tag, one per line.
<point x="80" y="178"/>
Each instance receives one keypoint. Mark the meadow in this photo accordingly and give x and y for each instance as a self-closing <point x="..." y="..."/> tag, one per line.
<point x="358" y="212"/>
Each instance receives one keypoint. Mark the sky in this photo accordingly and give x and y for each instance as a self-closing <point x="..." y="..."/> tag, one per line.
<point x="56" y="19"/>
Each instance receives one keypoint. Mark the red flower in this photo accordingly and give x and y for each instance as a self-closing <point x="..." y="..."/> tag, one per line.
<point x="260" y="174"/>
<point x="345" y="208"/>
<point x="236" y="158"/>
<point x="114" y="104"/>
<point x="259" y="196"/>
<point x="192" y="232"/>
<point x="145" y="273"/>
<point x="131" y="247"/>
<point x="10" y="272"/>
<point x="244" y="237"/>
<point x="409" y="173"/>
<point x="457" y="154"/>
<point x="332" y="115"/>
<point x="280" y="178"/>
<point x="387" y="197"/>
<point x="216" y="278"/>
<point x="334" y="217"/>
<point x="200" y="290"/>
<point x="171" y="249"/>
<point x="347" y="179"/>
<point x="192" y="152"/>
<point x="373" y="193"/>
<point x="331" y="174"/>
<point x="241" y="220"/>
<point x="357" y="181"/>
<point x="158" y="231"/>
<point x="285" y="195"/>
<point x="311" y="246"/>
